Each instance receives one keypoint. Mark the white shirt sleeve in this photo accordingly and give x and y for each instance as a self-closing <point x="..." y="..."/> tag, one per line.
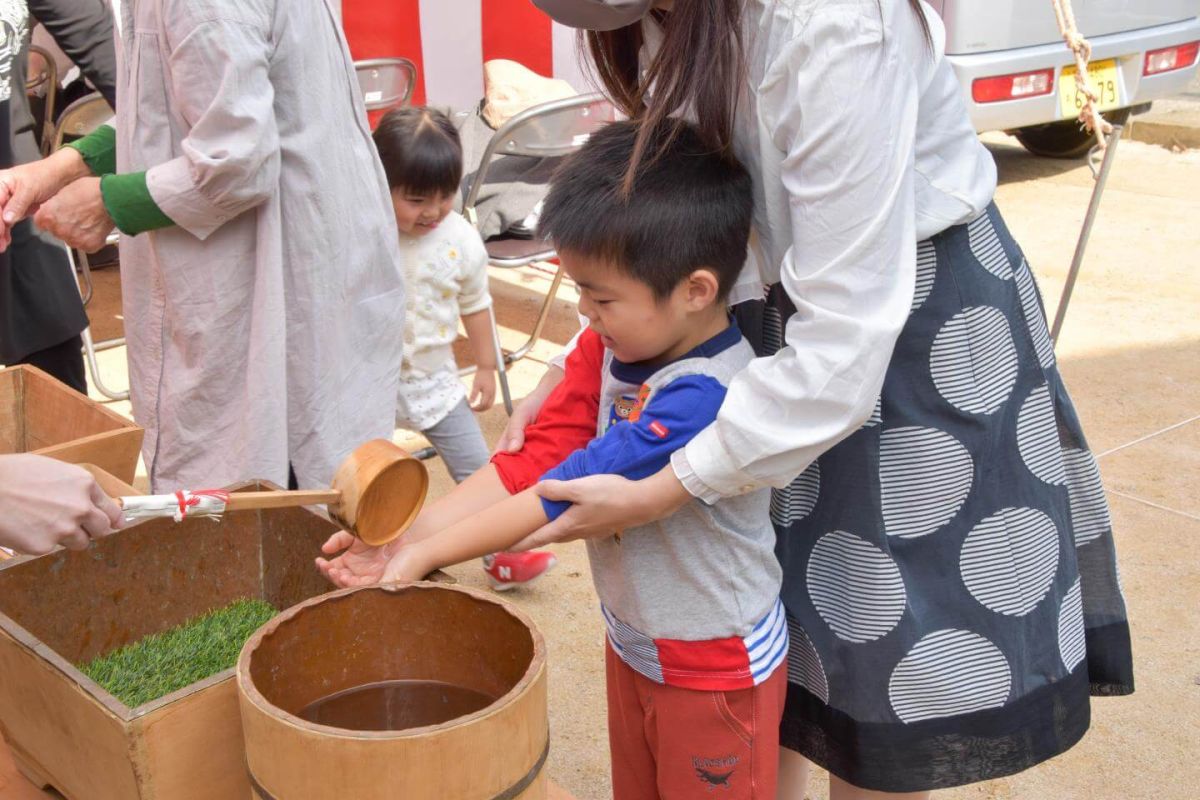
<point x="843" y="107"/>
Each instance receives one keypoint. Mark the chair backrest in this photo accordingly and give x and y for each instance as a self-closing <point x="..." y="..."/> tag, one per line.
<point x="41" y="72"/>
<point x="81" y="118"/>
<point x="42" y="79"/>
<point x="385" y="82"/>
<point x="548" y="130"/>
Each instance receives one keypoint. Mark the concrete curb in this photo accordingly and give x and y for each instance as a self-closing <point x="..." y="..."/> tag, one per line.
<point x="1175" y="129"/>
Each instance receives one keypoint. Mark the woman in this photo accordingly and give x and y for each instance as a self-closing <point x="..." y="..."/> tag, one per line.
<point x="949" y="572"/>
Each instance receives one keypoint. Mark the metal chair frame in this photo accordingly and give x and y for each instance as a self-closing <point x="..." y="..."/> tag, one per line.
<point x="49" y="76"/>
<point x="365" y="67"/>
<point x="549" y="130"/>
<point x="79" y="119"/>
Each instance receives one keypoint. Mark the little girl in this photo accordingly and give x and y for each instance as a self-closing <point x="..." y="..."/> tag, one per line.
<point x="445" y="270"/>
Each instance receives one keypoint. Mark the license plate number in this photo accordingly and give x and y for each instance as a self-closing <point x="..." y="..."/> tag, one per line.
<point x="1105" y="80"/>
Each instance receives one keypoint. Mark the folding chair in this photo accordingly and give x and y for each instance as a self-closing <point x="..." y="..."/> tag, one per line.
<point x="42" y="80"/>
<point x="79" y="119"/>
<point x="549" y="130"/>
<point x="385" y="82"/>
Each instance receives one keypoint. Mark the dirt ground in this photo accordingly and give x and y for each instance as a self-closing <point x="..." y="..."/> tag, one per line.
<point x="1130" y="352"/>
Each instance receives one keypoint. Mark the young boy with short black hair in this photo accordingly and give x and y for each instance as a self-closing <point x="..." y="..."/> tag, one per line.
<point x="696" y="630"/>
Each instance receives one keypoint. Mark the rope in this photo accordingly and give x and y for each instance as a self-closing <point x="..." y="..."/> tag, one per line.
<point x="1089" y="115"/>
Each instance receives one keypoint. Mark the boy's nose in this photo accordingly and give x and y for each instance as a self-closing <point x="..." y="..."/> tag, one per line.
<point x="586" y="308"/>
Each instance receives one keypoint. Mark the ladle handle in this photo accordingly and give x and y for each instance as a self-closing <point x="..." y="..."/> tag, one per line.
<point x="240" y="501"/>
<point x="213" y="503"/>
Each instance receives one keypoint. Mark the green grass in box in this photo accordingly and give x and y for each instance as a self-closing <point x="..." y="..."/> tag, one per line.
<point x="164" y="662"/>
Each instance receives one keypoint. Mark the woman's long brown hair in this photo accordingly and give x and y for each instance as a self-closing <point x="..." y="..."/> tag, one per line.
<point x="699" y="67"/>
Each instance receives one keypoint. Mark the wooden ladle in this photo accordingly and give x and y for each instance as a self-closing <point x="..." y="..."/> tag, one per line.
<point x="376" y="494"/>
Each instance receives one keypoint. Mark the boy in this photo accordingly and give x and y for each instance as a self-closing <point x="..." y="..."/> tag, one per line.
<point x="696" y="632"/>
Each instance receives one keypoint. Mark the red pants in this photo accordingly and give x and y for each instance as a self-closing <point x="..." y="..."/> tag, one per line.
<point x="680" y="744"/>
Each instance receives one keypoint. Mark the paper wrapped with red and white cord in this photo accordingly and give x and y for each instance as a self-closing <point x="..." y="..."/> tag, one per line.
<point x="180" y="505"/>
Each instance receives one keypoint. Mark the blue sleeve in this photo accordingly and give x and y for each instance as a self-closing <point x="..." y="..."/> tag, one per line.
<point x="635" y="450"/>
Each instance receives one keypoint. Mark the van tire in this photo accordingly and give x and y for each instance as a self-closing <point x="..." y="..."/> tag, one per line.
<point x="1065" y="139"/>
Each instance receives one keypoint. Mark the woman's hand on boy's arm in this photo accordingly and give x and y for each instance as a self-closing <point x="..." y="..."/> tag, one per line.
<point x="602" y="505"/>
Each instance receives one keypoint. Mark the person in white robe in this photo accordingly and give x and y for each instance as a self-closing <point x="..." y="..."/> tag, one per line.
<point x="262" y="292"/>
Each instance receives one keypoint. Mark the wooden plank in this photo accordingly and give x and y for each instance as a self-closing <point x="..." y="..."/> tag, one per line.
<point x="15" y="786"/>
<point x="12" y="420"/>
<point x="13" y="783"/>
<point x="53" y="722"/>
<point x="143" y="579"/>
<point x="115" y="452"/>
<point x="192" y="749"/>
<point x="111" y="485"/>
<point x="56" y="413"/>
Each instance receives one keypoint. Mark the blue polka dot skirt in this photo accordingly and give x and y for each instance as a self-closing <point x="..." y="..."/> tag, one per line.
<point x="949" y="571"/>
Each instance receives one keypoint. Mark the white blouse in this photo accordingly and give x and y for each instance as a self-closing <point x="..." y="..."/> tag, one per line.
<point x="859" y="143"/>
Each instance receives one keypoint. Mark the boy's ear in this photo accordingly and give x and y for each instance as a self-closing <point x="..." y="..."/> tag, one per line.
<point x="702" y="289"/>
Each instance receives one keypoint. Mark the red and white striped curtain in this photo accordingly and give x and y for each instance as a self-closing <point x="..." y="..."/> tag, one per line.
<point x="449" y="40"/>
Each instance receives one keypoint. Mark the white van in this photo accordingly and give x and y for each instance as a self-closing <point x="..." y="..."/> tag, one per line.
<point x="1018" y="75"/>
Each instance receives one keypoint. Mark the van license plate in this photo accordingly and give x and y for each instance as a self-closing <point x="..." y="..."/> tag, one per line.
<point x="1105" y="81"/>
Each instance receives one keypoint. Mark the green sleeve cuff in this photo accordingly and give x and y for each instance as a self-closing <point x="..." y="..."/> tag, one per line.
<point x="99" y="150"/>
<point x="130" y="205"/>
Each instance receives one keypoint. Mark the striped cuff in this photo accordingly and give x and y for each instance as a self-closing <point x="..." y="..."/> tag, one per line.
<point x="130" y="205"/>
<point x="99" y="150"/>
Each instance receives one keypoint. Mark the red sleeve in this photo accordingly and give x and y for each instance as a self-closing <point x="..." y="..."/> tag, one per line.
<point x="566" y="422"/>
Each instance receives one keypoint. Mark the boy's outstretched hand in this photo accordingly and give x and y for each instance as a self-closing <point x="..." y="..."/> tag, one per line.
<point x="360" y="564"/>
<point x="356" y="563"/>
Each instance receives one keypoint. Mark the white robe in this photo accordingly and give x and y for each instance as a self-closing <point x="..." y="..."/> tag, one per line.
<point x="266" y="326"/>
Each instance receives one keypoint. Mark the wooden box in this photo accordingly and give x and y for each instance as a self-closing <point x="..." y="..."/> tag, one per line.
<point x="40" y="415"/>
<point x="68" y="607"/>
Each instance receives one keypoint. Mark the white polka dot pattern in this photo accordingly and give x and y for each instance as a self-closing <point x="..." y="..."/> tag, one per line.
<point x="1034" y="318"/>
<point x="1072" y="642"/>
<point x="796" y="500"/>
<point x="804" y="664"/>
<point x="925" y="476"/>
<point x="855" y="587"/>
<point x="973" y="360"/>
<point x="926" y="273"/>
<point x="1089" y="507"/>
<point x="947" y="673"/>
<point x="987" y="247"/>
<point x="1009" y="559"/>
<point x="1037" y="437"/>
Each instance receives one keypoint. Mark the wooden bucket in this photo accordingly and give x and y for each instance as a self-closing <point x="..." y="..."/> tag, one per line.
<point x="417" y="632"/>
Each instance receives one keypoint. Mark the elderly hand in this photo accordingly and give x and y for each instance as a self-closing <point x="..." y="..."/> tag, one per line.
<point x="46" y="503"/>
<point x="77" y="216"/>
<point x="606" y="504"/>
<point x="24" y="188"/>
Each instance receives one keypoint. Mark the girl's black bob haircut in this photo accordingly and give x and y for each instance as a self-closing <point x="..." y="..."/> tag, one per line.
<point x="420" y="151"/>
<point x="687" y="207"/>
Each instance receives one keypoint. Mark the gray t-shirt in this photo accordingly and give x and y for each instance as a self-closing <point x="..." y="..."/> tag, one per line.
<point x="708" y="572"/>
